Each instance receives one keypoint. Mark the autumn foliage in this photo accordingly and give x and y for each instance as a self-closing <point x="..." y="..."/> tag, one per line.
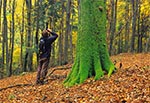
<point x="130" y="83"/>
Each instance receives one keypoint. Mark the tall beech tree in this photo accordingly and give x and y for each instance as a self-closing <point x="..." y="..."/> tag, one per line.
<point x="92" y="57"/>
<point x="113" y="23"/>
<point x="12" y="38"/>
<point x="5" y="52"/>
<point x="28" y="54"/>
<point x="134" y="29"/>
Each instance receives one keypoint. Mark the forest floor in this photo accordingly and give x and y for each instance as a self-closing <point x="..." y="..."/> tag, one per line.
<point x="129" y="84"/>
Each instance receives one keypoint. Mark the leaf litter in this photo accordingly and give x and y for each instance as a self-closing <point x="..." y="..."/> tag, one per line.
<point x="129" y="84"/>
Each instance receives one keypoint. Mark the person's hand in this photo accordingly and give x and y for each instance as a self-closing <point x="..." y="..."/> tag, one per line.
<point x="49" y="30"/>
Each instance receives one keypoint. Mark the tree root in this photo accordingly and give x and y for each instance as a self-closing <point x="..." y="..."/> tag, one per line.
<point x="17" y="85"/>
<point x="59" y="68"/>
<point x="51" y="72"/>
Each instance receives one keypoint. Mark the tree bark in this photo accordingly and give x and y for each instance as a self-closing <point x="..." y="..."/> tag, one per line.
<point x="1" y="69"/>
<point x="0" y="12"/>
<point x="134" y="18"/>
<point x="12" y="41"/>
<point x="70" y="36"/>
<point x="120" y="38"/>
<point x="5" y="39"/>
<point x="21" y="37"/>
<point x="28" y="54"/>
<point x="60" y="39"/>
<point x="148" y="44"/>
<point x="127" y="30"/>
<point x="92" y="56"/>
<point x="113" y="24"/>
<point x="67" y="34"/>
<point x="37" y="29"/>
<point x="139" y="29"/>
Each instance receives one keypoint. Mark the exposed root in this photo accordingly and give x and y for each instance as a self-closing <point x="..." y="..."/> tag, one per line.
<point x="17" y="85"/>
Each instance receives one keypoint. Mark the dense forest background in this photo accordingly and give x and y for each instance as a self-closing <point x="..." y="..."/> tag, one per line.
<point x="22" y="21"/>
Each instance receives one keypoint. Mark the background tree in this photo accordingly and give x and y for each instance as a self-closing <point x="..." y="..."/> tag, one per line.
<point x="37" y="19"/>
<point x="60" y="39"/>
<point x="5" y="55"/>
<point x="12" y="37"/>
<point x="28" y="55"/>
<point x="21" y="35"/>
<point x="134" y="18"/>
<point x="68" y="32"/>
<point x="127" y="26"/>
<point x="0" y="13"/>
<point x="139" y="49"/>
<point x="113" y="23"/>
<point x="1" y="63"/>
<point x="92" y="56"/>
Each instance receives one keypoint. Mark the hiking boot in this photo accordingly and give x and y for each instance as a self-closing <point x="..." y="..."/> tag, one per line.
<point x="45" y="81"/>
<point x="39" y="82"/>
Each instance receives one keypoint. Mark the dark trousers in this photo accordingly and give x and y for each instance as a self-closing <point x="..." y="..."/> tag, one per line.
<point x="42" y="70"/>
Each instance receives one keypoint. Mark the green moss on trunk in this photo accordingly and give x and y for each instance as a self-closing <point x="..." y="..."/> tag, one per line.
<point x="92" y="57"/>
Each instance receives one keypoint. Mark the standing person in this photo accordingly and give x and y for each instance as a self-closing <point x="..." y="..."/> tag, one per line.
<point x="44" y="54"/>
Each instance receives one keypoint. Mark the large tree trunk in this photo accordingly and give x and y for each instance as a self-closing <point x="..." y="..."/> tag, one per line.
<point x="92" y="56"/>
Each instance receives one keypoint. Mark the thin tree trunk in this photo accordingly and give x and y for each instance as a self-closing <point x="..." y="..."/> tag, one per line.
<point x="5" y="44"/>
<point x="60" y="49"/>
<point x="127" y="18"/>
<point x="120" y="40"/>
<point x="28" y="55"/>
<point x="70" y="37"/>
<point x="37" y="29"/>
<point x="1" y="69"/>
<point x="66" y="44"/>
<point x="148" y="44"/>
<point x="0" y="13"/>
<point x="134" y="17"/>
<point x="71" y="44"/>
<point x="113" y="23"/>
<point x="52" y="59"/>
<point x="3" y="40"/>
<point x="21" y="37"/>
<point x="138" y="30"/>
<point x="13" y="35"/>
<point x="60" y="40"/>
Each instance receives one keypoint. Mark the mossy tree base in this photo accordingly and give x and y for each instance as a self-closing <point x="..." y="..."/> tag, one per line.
<point x="92" y="57"/>
<point x="83" y="69"/>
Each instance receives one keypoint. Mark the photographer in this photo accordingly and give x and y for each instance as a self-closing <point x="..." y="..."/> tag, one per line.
<point x="44" y="54"/>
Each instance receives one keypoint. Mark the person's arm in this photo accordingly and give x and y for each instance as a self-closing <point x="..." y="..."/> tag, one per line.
<point x="53" y="37"/>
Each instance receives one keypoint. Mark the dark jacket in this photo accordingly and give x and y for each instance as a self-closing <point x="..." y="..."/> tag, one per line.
<point x="47" y="41"/>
